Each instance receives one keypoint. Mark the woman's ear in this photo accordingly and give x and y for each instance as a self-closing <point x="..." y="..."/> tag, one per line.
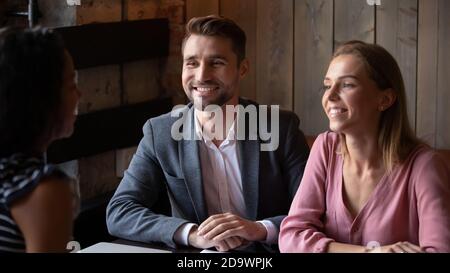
<point x="387" y="98"/>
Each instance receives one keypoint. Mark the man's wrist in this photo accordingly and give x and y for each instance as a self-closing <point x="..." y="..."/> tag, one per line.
<point x="192" y="236"/>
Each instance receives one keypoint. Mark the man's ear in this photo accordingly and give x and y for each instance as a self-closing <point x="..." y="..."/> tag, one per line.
<point x="243" y="68"/>
<point x="388" y="97"/>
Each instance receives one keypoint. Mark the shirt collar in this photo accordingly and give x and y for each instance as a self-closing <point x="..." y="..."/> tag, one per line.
<point x="231" y="135"/>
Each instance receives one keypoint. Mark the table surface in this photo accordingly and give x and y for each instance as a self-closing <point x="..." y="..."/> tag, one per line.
<point x="127" y="246"/>
<point x="157" y="246"/>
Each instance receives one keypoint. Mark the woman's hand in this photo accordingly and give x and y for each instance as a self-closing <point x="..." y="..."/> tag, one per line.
<point x="399" y="247"/>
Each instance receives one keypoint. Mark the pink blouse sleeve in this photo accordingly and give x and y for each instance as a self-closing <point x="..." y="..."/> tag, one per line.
<point x="301" y="231"/>
<point x="432" y="188"/>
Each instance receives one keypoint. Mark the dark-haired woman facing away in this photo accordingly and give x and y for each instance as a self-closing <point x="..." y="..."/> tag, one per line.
<point x="38" y="101"/>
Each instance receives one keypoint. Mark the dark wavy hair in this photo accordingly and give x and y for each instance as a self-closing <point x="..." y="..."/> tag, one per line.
<point x="214" y="25"/>
<point x="31" y="79"/>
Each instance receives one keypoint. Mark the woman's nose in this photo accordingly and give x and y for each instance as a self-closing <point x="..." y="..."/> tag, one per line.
<point x="333" y="92"/>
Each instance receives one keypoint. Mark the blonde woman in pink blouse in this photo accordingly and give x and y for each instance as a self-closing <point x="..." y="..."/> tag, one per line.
<point x="369" y="185"/>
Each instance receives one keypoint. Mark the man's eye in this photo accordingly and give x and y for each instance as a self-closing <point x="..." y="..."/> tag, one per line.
<point x="190" y="64"/>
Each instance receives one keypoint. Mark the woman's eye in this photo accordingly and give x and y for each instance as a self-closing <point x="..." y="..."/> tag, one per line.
<point x="348" y="85"/>
<point x="326" y="87"/>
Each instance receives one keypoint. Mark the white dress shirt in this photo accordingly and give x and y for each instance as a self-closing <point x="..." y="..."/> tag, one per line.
<point x="222" y="182"/>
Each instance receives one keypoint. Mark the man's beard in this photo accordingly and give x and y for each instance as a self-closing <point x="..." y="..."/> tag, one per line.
<point x="201" y="103"/>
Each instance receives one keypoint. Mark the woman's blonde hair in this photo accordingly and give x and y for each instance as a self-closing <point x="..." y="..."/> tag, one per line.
<point x="396" y="139"/>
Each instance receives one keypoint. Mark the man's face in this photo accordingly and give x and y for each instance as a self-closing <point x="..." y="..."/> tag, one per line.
<point x="211" y="74"/>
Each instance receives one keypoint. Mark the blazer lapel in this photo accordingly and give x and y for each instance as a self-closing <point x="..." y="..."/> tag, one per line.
<point x="248" y="152"/>
<point x="191" y="167"/>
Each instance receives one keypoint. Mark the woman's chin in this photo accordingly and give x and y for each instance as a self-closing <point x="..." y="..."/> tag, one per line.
<point x="66" y="133"/>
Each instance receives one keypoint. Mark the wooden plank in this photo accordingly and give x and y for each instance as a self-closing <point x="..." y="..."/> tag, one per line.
<point x="354" y="20"/>
<point x="116" y="42"/>
<point x="275" y="35"/>
<point x="56" y="14"/>
<point x="123" y="159"/>
<point x="427" y="71"/>
<point x="107" y="130"/>
<point x="141" y="81"/>
<point x="313" y="50"/>
<point x="141" y="9"/>
<point x="97" y="175"/>
<point x="195" y="8"/>
<point x="443" y="102"/>
<point x="244" y="14"/>
<point x="99" y="11"/>
<point x="100" y="87"/>
<point x="396" y="30"/>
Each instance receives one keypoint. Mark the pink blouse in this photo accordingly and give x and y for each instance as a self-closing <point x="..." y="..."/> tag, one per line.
<point x="412" y="204"/>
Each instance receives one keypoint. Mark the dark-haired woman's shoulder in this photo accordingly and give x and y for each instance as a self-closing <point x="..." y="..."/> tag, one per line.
<point x="20" y="174"/>
<point x="37" y="205"/>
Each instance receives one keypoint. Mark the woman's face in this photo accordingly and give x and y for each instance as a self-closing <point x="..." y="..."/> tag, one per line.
<point x="352" y="101"/>
<point x="70" y="98"/>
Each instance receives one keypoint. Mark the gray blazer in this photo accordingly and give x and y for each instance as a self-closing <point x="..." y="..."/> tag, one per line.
<point x="165" y="169"/>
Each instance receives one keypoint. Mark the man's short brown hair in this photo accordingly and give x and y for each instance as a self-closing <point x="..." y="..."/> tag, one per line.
<point x="214" y="25"/>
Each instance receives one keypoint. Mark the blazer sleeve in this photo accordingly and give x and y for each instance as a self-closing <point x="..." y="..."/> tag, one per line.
<point x="432" y="190"/>
<point x="129" y="213"/>
<point x="301" y="230"/>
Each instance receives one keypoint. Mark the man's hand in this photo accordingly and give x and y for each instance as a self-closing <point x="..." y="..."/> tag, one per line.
<point x="400" y="247"/>
<point x="222" y="245"/>
<point x="227" y="225"/>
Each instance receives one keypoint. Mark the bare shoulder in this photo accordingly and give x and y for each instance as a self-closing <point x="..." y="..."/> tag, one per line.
<point x="51" y="192"/>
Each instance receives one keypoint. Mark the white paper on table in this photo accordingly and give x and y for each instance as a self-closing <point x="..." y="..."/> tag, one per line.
<point x="211" y="251"/>
<point x="104" y="247"/>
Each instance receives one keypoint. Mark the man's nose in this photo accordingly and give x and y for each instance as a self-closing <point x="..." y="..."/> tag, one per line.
<point x="203" y="73"/>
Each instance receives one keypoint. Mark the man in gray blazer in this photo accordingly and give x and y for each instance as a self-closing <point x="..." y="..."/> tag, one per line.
<point x="229" y="186"/>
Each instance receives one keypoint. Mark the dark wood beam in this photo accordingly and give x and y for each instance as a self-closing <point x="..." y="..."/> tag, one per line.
<point x="114" y="43"/>
<point x="107" y="130"/>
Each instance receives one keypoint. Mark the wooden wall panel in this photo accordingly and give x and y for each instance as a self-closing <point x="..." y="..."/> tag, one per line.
<point x="294" y="40"/>
<point x="57" y="14"/>
<point x="274" y="73"/>
<point x="353" y="20"/>
<point x="244" y="14"/>
<point x="313" y="49"/>
<point x="396" y="30"/>
<point x="99" y="11"/>
<point x="443" y="94"/>
<point x="98" y="174"/>
<point x="141" y="78"/>
<point x="123" y="159"/>
<point x="100" y="87"/>
<point x="196" y="8"/>
<point x="140" y="9"/>
<point x="427" y="71"/>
